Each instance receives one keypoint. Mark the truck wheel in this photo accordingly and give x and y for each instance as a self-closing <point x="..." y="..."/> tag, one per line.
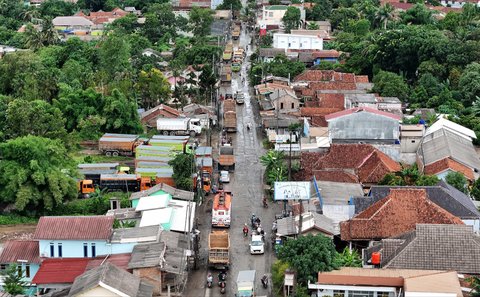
<point x="192" y="133"/>
<point x="165" y="132"/>
<point x="108" y="154"/>
<point x="172" y="133"/>
<point x="115" y="154"/>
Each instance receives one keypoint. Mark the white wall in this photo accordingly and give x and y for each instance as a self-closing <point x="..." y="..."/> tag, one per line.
<point x="291" y="41"/>
<point x="98" y="291"/>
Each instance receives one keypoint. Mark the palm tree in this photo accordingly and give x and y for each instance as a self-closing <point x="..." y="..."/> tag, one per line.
<point x="476" y="106"/>
<point x="49" y="34"/>
<point x="312" y="26"/>
<point x="30" y="15"/>
<point x="349" y="258"/>
<point x="272" y="159"/>
<point x="384" y="14"/>
<point x="33" y="38"/>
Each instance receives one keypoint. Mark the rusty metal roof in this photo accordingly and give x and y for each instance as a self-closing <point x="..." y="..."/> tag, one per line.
<point x="17" y="250"/>
<point x="74" y="228"/>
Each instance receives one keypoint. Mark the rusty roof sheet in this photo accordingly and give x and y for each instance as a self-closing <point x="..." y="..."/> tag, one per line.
<point x="17" y="250"/>
<point x="74" y="228"/>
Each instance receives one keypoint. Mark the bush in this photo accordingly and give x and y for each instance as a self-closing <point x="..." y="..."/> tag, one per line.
<point x="13" y="219"/>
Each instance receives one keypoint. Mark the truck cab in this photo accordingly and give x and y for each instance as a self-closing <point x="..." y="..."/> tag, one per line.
<point x="221" y="212"/>
<point x="86" y="187"/>
<point x="195" y="126"/>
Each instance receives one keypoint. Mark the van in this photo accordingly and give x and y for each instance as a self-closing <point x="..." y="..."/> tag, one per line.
<point x="257" y="245"/>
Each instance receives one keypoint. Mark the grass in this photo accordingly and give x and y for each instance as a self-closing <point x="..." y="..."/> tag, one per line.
<point x="80" y="158"/>
<point x="12" y="219"/>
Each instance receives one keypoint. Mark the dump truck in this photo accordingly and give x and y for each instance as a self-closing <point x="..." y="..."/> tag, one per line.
<point x="229" y="105"/>
<point x="219" y="250"/>
<point x="236" y="32"/>
<point x="226" y="75"/>
<point x="230" y="121"/>
<point x="119" y="144"/>
<point x="246" y="283"/>
<point x="179" y="126"/>
<point x="226" y="160"/>
<point x="93" y="171"/>
<point x="228" y="53"/>
<point x="236" y="66"/>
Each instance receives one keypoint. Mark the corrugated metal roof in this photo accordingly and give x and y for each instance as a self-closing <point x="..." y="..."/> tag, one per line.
<point x="119" y="260"/>
<point x="17" y="250"/>
<point x="362" y="109"/>
<point x="74" y="228"/>
<point x="60" y="271"/>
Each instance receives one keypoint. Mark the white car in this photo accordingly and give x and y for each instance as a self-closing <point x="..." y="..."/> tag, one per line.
<point x="257" y="245"/>
<point x="239" y="98"/>
<point x="224" y="177"/>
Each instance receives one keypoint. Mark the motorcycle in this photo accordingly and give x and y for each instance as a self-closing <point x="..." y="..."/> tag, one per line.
<point x="222" y="276"/>
<point x="265" y="281"/>
<point x="245" y="231"/>
<point x="209" y="280"/>
<point x="223" y="286"/>
<point x="265" y="204"/>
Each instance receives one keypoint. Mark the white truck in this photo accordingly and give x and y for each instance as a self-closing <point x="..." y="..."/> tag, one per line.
<point x="246" y="283"/>
<point x="179" y="126"/>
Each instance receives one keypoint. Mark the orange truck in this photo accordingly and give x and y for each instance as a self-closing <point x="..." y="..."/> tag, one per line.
<point x="226" y="160"/>
<point x="219" y="250"/>
<point x="118" y="144"/>
<point x="222" y="209"/>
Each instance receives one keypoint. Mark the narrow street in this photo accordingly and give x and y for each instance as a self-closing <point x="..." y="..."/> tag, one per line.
<point x="246" y="185"/>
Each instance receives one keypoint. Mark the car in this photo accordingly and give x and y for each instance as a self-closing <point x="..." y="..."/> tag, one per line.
<point x="257" y="245"/>
<point x="224" y="177"/>
<point x="240" y="98"/>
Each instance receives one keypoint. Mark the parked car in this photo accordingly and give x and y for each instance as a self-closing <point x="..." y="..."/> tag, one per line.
<point x="239" y="97"/>
<point x="224" y="177"/>
<point x="257" y="245"/>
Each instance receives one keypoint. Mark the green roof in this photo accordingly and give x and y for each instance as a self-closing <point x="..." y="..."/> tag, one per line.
<point x="277" y="7"/>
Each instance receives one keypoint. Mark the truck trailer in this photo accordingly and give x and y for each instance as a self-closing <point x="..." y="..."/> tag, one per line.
<point x="219" y="250"/>
<point x="179" y="126"/>
<point x="119" y="144"/>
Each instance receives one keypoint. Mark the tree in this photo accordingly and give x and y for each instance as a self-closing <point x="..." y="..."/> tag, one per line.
<point x="308" y="255"/>
<point x="200" y="20"/>
<point x="349" y="258"/>
<point x="282" y="66"/>
<point x="114" y="55"/>
<point x="121" y="114"/>
<point x="427" y="180"/>
<point x="55" y="8"/>
<point x="385" y="14"/>
<point x="127" y="24"/>
<point x="230" y="4"/>
<point x="183" y="169"/>
<point x="36" y="38"/>
<point x="36" y="173"/>
<point x="475" y="285"/>
<point x="13" y="282"/>
<point x="153" y="87"/>
<point x="278" y="276"/>
<point x="469" y="83"/>
<point x="313" y="26"/>
<point x="475" y="191"/>
<point x="291" y="19"/>
<point x="457" y="180"/>
<point x="321" y="11"/>
<point x="389" y="84"/>
<point x="419" y="14"/>
<point x="272" y="159"/>
<point x="160" y="22"/>
<point x="207" y="79"/>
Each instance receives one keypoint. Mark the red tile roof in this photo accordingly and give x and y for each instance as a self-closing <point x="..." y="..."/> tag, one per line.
<point x="316" y="111"/>
<point x="362" y="109"/>
<point x="60" y="271"/>
<point x="119" y="260"/>
<point x="74" y="228"/>
<point x="16" y="250"/>
<point x="364" y="161"/>
<point x="335" y="176"/>
<point x="328" y="75"/>
<point x="331" y="100"/>
<point x="326" y="54"/>
<point x="447" y="163"/>
<point x="394" y="215"/>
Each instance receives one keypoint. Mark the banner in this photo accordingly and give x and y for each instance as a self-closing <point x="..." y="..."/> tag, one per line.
<point x="291" y="191"/>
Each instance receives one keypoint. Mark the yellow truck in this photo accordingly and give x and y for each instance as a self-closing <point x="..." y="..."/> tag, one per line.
<point x="236" y="32"/>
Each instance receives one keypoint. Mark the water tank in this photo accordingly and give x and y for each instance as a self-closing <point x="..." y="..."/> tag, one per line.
<point x="376" y="256"/>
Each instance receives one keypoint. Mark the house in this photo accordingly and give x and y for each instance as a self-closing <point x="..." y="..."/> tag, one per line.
<point x="410" y="137"/>
<point x="298" y="41"/>
<point x="163" y="263"/>
<point x="350" y="281"/>
<point x="131" y="9"/>
<point x="104" y="17"/>
<point x="330" y="56"/>
<point x="363" y="125"/>
<point x="268" y="54"/>
<point x="387" y="104"/>
<point x="23" y="253"/>
<point x="150" y="116"/>
<point x="77" y="237"/>
<point x="160" y="189"/>
<point x="445" y="150"/>
<point x="322" y="25"/>
<point x="174" y="215"/>
<point x="430" y="247"/>
<point x="316" y="115"/>
<point x="186" y="5"/>
<point x="272" y="15"/>
<point x="356" y="163"/>
<point x="394" y="215"/>
<point x="109" y="280"/>
<point x="312" y="223"/>
<point x="284" y="101"/>
<point x="444" y="195"/>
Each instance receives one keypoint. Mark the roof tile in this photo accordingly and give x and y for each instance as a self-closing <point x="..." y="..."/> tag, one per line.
<point x="447" y="163"/>
<point x="60" y="271"/>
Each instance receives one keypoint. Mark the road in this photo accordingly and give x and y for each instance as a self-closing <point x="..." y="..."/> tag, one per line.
<point x="246" y="185"/>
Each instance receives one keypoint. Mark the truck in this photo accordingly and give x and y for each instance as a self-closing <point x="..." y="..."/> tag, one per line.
<point x="236" y="32"/>
<point x="246" y="283"/>
<point x="226" y="75"/>
<point x="230" y="121"/>
<point x="228" y="53"/>
<point x="179" y="126"/>
<point x="219" y="250"/>
<point x="236" y="66"/>
<point x="222" y="209"/>
<point x="124" y="182"/>
<point x="119" y="144"/>
<point x="205" y="171"/>
<point x="229" y="104"/>
<point x="226" y="160"/>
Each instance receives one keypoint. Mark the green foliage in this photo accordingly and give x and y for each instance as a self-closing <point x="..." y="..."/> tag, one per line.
<point x="427" y="180"/>
<point x="121" y="114"/>
<point x="457" y="180"/>
<point x="291" y="19"/>
<point x="153" y="87"/>
<point x="200" y="20"/>
<point x="278" y="276"/>
<point x="409" y="176"/>
<point x="12" y="219"/>
<point x="127" y="24"/>
<point x="308" y="255"/>
<point x="230" y="4"/>
<point x="349" y="258"/>
<point x="469" y="83"/>
<point x="55" y="8"/>
<point x="34" y="173"/>
<point x="13" y="282"/>
<point x="182" y="171"/>
<point x="419" y="14"/>
<point x="475" y="190"/>
<point x="114" y="55"/>
<point x="474" y="282"/>
<point x="160" y="23"/>
<point x="390" y="85"/>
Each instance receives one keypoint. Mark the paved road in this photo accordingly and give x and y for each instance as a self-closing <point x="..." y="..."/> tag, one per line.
<point x="247" y="188"/>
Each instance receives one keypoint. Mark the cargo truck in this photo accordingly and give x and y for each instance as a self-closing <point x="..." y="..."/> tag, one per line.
<point x="222" y="209"/>
<point x="219" y="250"/>
<point x="229" y="105"/>
<point x="226" y="160"/>
<point x="228" y="53"/>
<point x="246" y="283"/>
<point x="179" y="126"/>
<point x="119" y="144"/>
<point x="226" y="75"/>
<point x="230" y="121"/>
<point x="124" y="182"/>
<point x="236" y="33"/>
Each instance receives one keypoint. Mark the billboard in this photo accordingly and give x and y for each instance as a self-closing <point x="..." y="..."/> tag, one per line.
<point x="291" y="191"/>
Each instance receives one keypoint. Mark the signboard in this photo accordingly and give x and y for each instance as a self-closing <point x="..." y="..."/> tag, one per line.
<point x="291" y="191"/>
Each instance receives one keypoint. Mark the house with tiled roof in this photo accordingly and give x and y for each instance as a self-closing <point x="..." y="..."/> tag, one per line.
<point x="444" y="195"/>
<point x="23" y="253"/>
<point x="350" y="281"/>
<point x="316" y="115"/>
<point x="431" y="247"/>
<point x="150" y="116"/>
<point x="363" y="163"/>
<point x="364" y="125"/>
<point x="394" y="215"/>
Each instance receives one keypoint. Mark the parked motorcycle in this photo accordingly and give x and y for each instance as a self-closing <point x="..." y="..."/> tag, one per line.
<point x="223" y="287"/>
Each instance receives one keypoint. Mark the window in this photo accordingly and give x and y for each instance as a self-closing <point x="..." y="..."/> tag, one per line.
<point x="27" y="270"/>
<point x="52" y="250"/>
<point x="270" y="14"/>
<point x="85" y="249"/>
<point x="385" y="294"/>
<point x="281" y="105"/>
<point x="94" y="253"/>
<point x="338" y="293"/>
<point x="19" y="271"/>
<point x="60" y="254"/>
<point x="3" y="267"/>
<point x="293" y="105"/>
<point x="413" y="141"/>
<point x="360" y="294"/>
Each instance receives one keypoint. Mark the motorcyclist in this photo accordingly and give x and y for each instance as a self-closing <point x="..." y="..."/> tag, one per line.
<point x="245" y="230"/>
<point x="209" y="279"/>
<point x="264" y="280"/>
<point x="264" y="201"/>
<point x="222" y="276"/>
